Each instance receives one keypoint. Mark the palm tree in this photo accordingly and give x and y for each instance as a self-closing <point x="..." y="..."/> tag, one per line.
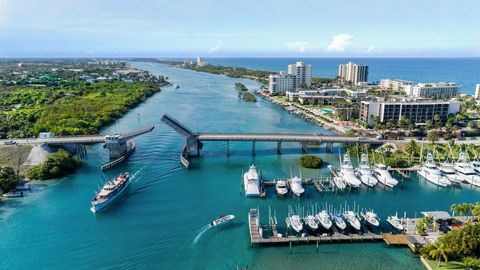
<point x="433" y="136"/>
<point x="439" y="252"/>
<point x="411" y="148"/>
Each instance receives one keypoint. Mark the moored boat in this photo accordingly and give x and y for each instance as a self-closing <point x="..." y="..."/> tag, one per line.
<point x="311" y="222"/>
<point x="466" y="171"/>
<point x="365" y="172"/>
<point x="110" y="192"/>
<point x="348" y="173"/>
<point x="352" y="219"/>
<point x="432" y="174"/>
<point x="448" y="170"/>
<point x="251" y="182"/>
<point x="395" y="222"/>
<point x="339" y="222"/>
<point x="296" y="186"/>
<point x="383" y="176"/>
<point x="281" y="187"/>
<point x="295" y="222"/>
<point x="324" y="219"/>
<point x="371" y="218"/>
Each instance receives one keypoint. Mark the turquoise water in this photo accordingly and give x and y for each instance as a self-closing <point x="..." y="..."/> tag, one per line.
<point x="161" y="222"/>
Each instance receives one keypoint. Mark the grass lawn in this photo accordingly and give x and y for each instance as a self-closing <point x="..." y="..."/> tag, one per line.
<point x="449" y="265"/>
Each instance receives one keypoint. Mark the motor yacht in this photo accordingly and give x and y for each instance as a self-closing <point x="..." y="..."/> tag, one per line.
<point x="296" y="186"/>
<point x="352" y="219"/>
<point x="371" y="218"/>
<point x="339" y="183"/>
<point x="383" y="176"/>
<point x="432" y="173"/>
<point x="348" y="173"/>
<point x="448" y="170"/>
<point x="339" y="222"/>
<point x="251" y="182"/>
<point x="295" y="222"/>
<point x="395" y="222"/>
<point x="476" y="165"/>
<point x="466" y="171"/>
<point x="13" y="194"/>
<point x="281" y="187"/>
<point x="324" y="219"/>
<point x="311" y="222"/>
<point x="110" y="192"/>
<point x="365" y="172"/>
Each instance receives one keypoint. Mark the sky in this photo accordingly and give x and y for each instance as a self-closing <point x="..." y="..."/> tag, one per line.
<point x="246" y="28"/>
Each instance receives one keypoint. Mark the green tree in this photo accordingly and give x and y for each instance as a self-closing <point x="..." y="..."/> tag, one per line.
<point x="411" y="149"/>
<point x="433" y="136"/>
<point x="428" y="124"/>
<point x="310" y="161"/>
<point x="8" y="179"/>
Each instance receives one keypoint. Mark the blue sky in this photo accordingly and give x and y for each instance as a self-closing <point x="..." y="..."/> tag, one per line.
<point x="258" y="28"/>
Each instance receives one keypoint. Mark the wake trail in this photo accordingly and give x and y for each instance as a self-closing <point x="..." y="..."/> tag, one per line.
<point x="203" y="230"/>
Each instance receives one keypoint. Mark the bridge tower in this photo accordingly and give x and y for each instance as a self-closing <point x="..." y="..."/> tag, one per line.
<point x="116" y="147"/>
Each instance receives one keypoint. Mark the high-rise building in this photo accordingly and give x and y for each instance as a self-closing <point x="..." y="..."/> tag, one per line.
<point x="477" y="91"/>
<point x="302" y="72"/>
<point x="432" y="90"/>
<point x="200" y="62"/>
<point x="418" y="111"/>
<point x="394" y="85"/>
<point x="281" y="82"/>
<point x="353" y="73"/>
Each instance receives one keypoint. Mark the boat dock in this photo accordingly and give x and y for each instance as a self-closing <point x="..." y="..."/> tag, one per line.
<point x="322" y="184"/>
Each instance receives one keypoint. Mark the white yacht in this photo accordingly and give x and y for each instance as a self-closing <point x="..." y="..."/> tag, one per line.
<point x="111" y="191"/>
<point x="476" y="165"/>
<point x="383" y="176"/>
<point x="339" y="222"/>
<point x="311" y="222"/>
<point x="295" y="222"/>
<point x="371" y="218"/>
<point x="448" y="170"/>
<point x="251" y="182"/>
<point x="365" y="172"/>
<point x="395" y="222"/>
<point x="348" y="173"/>
<point x="352" y="219"/>
<point x="281" y="187"/>
<point x="432" y="174"/>
<point x="465" y="170"/>
<point x="324" y="219"/>
<point x="339" y="183"/>
<point x="296" y="186"/>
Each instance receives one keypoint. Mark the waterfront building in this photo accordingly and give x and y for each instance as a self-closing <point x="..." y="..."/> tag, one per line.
<point x="323" y="96"/>
<point x="200" y="62"/>
<point x="353" y="73"/>
<point x="302" y="73"/>
<point x="394" y="84"/>
<point x="432" y="90"/>
<point x="281" y="82"/>
<point x="477" y="91"/>
<point x="417" y="110"/>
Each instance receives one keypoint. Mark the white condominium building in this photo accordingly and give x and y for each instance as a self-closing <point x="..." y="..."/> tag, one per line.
<point x="394" y="85"/>
<point x="280" y="83"/>
<point x="354" y="73"/>
<point x="302" y="72"/>
<point x="477" y="91"/>
<point x="433" y="90"/>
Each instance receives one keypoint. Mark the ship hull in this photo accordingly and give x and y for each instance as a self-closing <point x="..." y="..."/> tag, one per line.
<point x="102" y="206"/>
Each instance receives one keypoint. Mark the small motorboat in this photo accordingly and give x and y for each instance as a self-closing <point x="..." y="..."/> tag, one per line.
<point x="339" y="222"/>
<point x="295" y="222"/>
<point x="311" y="222"/>
<point x="23" y="187"/>
<point x="281" y="187"/>
<point x="324" y="219"/>
<point x="221" y="220"/>
<point x="371" y="218"/>
<point x="352" y="219"/>
<point x="395" y="222"/>
<point x="13" y="194"/>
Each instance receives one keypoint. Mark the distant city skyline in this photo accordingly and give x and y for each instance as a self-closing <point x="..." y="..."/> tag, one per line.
<point x="214" y="28"/>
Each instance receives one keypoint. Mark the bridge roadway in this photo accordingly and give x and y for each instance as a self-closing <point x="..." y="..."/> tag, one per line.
<point x="80" y="139"/>
<point x="277" y="137"/>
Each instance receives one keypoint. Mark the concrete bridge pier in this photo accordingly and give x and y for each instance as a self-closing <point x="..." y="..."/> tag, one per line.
<point x="253" y="147"/>
<point x="228" y="148"/>
<point x="329" y="147"/>
<point x="81" y="150"/>
<point x="116" y="148"/>
<point x="279" y="147"/>
<point x="304" y="148"/>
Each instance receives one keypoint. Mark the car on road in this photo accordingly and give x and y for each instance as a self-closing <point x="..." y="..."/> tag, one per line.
<point x="361" y="137"/>
<point x="380" y="137"/>
<point x="10" y="142"/>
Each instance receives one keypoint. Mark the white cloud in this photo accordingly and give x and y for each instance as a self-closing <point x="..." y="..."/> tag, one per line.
<point x="371" y="49"/>
<point x="298" y="46"/>
<point x="216" y="47"/>
<point x="339" y="43"/>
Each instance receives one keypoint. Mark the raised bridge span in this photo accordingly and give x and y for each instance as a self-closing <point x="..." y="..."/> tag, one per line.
<point x="193" y="140"/>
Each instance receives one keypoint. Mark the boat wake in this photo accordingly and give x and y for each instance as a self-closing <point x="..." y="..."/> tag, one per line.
<point x="203" y="230"/>
<point x="134" y="178"/>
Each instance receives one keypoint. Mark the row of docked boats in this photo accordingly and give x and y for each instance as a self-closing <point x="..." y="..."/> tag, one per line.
<point x="251" y="184"/>
<point x="447" y="174"/>
<point x="348" y="219"/>
<point x="364" y="174"/>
